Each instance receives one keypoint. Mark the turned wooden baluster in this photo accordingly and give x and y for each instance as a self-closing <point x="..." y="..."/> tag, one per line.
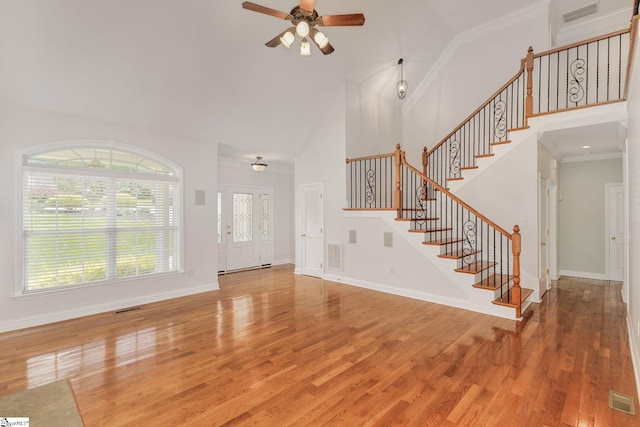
<point x="425" y="162"/>
<point x="515" y="290"/>
<point x="529" y="101"/>
<point x="398" y="192"/>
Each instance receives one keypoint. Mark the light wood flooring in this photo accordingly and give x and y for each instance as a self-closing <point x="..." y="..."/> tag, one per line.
<point x="271" y="348"/>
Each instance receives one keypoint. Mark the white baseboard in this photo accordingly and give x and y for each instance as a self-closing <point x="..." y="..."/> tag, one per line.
<point x="634" y="346"/>
<point x="583" y="274"/>
<point x="499" y="311"/>
<point x="28" y="322"/>
<point x="282" y="262"/>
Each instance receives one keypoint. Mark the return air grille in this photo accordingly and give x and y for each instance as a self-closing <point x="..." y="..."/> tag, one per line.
<point x="580" y="13"/>
<point x="334" y="251"/>
<point x="621" y="402"/>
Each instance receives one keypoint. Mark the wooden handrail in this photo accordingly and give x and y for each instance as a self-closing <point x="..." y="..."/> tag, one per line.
<point x="632" y="48"/>
<point x="452" y="196"/>
<point x="580" y="43"/>
<point x="377" y="156"/>
<point x="470" y="116"/>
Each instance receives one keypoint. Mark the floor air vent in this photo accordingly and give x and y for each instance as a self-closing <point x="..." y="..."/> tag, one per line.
<point x="580" y="13"/>
<point x="621" y="402"/>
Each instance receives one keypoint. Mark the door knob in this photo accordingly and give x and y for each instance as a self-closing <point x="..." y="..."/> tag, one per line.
<point x="304" y="235"/>
<point x="613" y="238"/>
<point x="543" y="243"/>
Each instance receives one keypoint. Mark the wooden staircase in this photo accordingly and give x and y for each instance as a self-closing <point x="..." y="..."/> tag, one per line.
<point x="422" y="198"/>
<point x="487" y="274"/>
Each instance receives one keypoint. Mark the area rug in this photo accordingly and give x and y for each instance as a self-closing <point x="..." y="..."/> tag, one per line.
<point x="50" y="405"/>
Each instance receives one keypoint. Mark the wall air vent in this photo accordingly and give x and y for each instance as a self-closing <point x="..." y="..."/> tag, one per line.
<point x="334" y="251"/>
<point x="580" y="13"/>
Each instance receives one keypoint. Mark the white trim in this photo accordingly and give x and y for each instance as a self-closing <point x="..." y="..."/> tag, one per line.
<point x="27" y="322"/>
<point x="592" y="157"/>
<point x="635" y="352"/>
<point x="583" y="274"/>
<point x="499" y="311"/>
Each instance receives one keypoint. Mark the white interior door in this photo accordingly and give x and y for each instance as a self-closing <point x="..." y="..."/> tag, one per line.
<point x="247" y="233"/>
<point x="543" y="233"/>
<point x="616" y="232"/>
<point x="312" y="230"/>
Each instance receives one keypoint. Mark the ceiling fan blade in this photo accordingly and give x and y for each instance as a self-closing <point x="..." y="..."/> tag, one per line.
<point x="328" y="49"/>
<point x="263" y="9"/>
<point x="274" y="42"/>
<point x="340" y="20"/>
<point x="307" y="5"/>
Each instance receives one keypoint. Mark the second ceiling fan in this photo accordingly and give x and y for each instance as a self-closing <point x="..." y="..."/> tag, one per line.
<point x="304" y="19"/>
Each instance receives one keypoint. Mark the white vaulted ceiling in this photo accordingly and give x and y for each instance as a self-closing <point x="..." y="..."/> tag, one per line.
<point x="200" y="67"/>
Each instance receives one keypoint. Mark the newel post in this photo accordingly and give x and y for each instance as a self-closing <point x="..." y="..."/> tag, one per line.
<point x="425" y="162"/>
<point x="529" y="101"/>
<point x="398" y="192"/>
<point x="515" y="290"/>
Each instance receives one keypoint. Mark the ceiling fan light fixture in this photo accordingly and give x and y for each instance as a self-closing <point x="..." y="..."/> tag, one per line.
<point x="302" y="29"/>
<point x="259" y="165"/>
<point x="305" y="47"/>
<point x="287" y="39"/>
<point x="321" y="40"/>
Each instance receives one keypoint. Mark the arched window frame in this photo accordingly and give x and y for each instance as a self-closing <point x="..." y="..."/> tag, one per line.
<point x="153" y="214"/>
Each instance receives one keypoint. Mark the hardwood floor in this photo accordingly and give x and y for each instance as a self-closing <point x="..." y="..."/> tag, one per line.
<point x="271" y="348"/>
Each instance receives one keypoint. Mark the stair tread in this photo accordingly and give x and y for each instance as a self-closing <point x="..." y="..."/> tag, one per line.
<point x="508" y="141"/>
<point x="493" y="282"/>
<point x="476" y="267"/>
<point x="430" y="230"/>
<point x="524" y="294"/>
<point x="417" y="219"/>
<point x="455" y="179"/>
<point x="480" y="156"/>
<point x="464" y="168"/>
<point x="458" y="254"/>
<point x="443" y="241"/>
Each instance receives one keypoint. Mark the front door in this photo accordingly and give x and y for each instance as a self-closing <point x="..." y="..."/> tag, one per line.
<point x="247" y="227"/>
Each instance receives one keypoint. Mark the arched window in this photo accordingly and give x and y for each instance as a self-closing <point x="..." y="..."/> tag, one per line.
<point x="97" y="213"/>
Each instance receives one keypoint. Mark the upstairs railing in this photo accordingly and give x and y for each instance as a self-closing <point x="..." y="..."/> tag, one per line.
<point x="583" y="74"/>
<point x="477" y="242"/>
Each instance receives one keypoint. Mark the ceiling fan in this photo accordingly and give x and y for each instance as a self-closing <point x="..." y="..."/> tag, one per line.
<point x="304" y="19"/>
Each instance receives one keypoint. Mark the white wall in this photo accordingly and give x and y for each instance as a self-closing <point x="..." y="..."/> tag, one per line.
<point x="507" y="193"/>
<point x="474" y="66"/>
<point x="280" y="179"/>
<point x="633" y="152"/>
<point x="581" y="216"/>
<point x="373" y="124"/>
<point x="23" y="127"/>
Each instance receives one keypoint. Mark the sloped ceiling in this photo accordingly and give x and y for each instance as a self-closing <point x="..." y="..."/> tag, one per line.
<point x="200" y="68"/>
